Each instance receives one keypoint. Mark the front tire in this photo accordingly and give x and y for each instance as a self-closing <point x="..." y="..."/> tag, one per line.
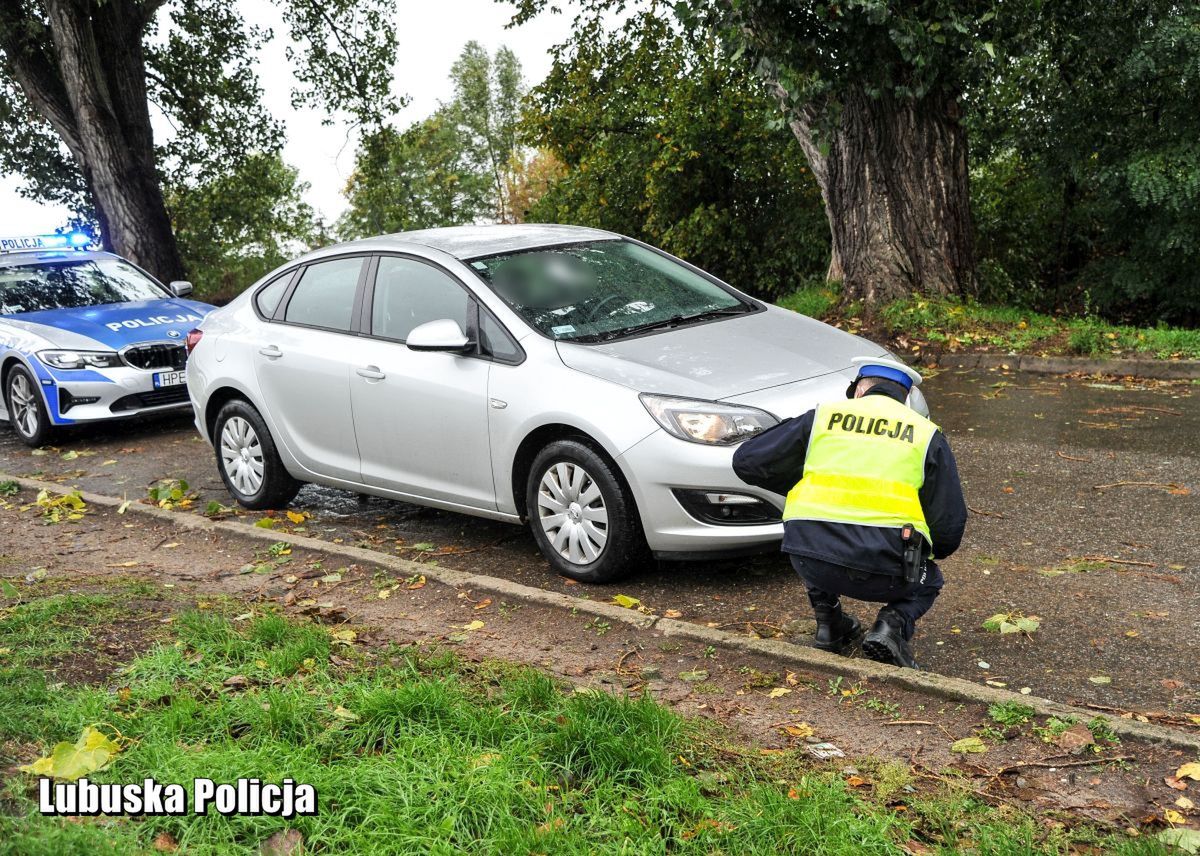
<point x="248" y="461"/>
<point x="26" y="410"/>
<point x="582" y="515"/>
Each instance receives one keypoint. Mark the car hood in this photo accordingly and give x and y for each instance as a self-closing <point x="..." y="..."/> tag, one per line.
<point x="113" y="326"/>
<point x="733" y="356"/>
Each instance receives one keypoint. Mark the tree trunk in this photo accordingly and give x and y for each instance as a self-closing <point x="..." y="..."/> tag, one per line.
<point x="893" y="177"/>
<point x="90" y="84"/>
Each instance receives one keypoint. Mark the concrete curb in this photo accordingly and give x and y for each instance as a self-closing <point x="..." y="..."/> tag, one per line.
<point x="1150" y="369"/>
<point x="785" y="653"/>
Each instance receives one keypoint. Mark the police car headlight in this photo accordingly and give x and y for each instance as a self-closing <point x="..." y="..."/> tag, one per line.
<point x="708" y="422"/>
<point x="80" y="359"/>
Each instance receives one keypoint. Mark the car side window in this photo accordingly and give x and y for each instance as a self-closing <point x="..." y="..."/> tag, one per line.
<point x="496" y="341"/>
<point x="410" y="293"/>
<point x="324" y="296"/>
<point x="268" y="298"/>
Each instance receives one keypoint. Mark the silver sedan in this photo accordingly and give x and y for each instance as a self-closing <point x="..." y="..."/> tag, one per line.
<point x="571" y="378"/>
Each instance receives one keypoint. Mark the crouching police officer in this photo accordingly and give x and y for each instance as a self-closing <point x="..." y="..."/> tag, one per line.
<point x="872" y="496"/>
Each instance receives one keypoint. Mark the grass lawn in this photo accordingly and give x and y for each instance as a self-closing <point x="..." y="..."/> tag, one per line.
<point x="414" y="750"/>
<point x="967" y="325"/>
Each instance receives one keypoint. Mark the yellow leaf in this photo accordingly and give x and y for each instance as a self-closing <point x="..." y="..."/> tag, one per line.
<point x="384" y="594"/>
<point x="799" y="729"/>
<point x="626" y="601"/>
<point x="474" y="625"/>
<point x="778" y="692"/>
<point x="1185" y="803"/>
<point x="296" y="517"/>
<point x="93" y="751"/>
<point x="968" y="745"/>
<point x="345" y="715"/>
<point x="1173" y="817"/>
<point x="1189" y="771"/>
<point x="344" y="637"/>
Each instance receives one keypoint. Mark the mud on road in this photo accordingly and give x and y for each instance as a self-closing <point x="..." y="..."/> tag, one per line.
<point x="1084" y="504"/>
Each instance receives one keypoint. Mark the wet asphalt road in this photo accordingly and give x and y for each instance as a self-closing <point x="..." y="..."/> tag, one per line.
<point x="1032" y="452"/>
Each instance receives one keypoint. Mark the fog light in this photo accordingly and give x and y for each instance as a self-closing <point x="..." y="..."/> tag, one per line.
<point x="727" y="509"/>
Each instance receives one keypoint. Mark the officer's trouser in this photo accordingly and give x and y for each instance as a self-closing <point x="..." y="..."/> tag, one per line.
<point x="827" y="582"/>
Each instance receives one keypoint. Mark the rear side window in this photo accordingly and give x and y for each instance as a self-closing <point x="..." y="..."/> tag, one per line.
<point x="324" y="297"/>
<point x="267" y="299"/>
<point x="410" y="293"/>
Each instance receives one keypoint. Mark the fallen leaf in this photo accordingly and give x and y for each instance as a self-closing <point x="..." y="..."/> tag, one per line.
<point x="296" y="517"/>
<point x="1185" y="803"/>
<point x="94" y="750"/>
<point x="335" y="577"/>
<point x="694" y="676"/>
<point x="474" y="625"/>
<point x="778" y="692"/>
<point x="384" y="594"/>
<point x="345" y="715"/>
<point x="1189" y="771"/>
<point x="165" y="842"/>
<point x="1187" y="840"/>
<point x="484" y="604"/>
<point x="1100" y="679"/>
<point x="124" y="506"/>
<point x="968" y="746"/>
<point x="855" y="781"/>
<point x="1174" y="783"/>
<point x="1075" y="738"/>
<point x="626" y="601"/>
<point x="286" y="842"/>
<point x="672" y="613"/>
<point x="1173" y="817"/>
<point x="244" y="616"/>
<point x="799" y="729"/>
<point x="344" y="636"/>
<point x="236" y="682"/>
<point x="419" y="582"/>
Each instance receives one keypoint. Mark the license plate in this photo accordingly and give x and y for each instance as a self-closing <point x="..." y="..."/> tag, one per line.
<point x="162" y="379"/>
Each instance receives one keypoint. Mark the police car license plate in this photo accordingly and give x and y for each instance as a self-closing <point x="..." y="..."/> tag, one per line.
<point x="162" y="379"/>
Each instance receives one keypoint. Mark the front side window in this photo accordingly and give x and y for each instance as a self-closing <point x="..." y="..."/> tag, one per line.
<point x="604" y="290"/>
<point x="324" y="297"/>
<point x="73" y="284"/>
<point x="409" y="293"/>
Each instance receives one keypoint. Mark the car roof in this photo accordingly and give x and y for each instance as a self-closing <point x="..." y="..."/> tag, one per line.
<point x="32" y="257"/>
<point x="472" y="242"/>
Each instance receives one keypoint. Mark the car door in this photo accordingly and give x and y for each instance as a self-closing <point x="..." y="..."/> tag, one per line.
<point x="421" y="418"/>
<point x="303" y="367"/>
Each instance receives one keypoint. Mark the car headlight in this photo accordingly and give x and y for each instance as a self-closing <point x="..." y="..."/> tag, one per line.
<point x="708" y="422"/>
<point x="80" y="359"/>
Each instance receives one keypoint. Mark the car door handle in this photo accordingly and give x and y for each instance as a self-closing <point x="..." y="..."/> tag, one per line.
<point x="271" y="352"/>
<point x="370" y="372"/>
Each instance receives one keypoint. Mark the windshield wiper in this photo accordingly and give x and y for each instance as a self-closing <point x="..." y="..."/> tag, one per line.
<point x="666" y="323"/>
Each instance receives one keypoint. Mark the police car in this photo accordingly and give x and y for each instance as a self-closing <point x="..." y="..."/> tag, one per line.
<point x="87" y="336"/>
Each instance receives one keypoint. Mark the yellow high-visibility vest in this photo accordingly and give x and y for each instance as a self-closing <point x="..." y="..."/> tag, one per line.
<point x="865" y="465"/>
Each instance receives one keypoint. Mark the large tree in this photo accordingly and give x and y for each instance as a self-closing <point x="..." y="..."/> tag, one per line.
<point x="463" y="164"/>
<point x="80" y="77"/>
<point x="872" y="91"/>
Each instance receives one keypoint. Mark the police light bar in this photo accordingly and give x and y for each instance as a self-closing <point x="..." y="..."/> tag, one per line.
<point x="67" y="241"/>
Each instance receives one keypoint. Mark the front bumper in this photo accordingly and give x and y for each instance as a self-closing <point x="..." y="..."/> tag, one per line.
<point x="91" y="395"/>
<point x="661" y="464"/>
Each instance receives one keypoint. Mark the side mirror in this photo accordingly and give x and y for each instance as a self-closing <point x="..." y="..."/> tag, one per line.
<point x="181" y="288"/>
<point x="442" y="335"/>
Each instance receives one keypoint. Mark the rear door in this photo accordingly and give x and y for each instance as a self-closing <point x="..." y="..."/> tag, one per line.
<point x="303" y="365"/>
<point x="421" y="419"/>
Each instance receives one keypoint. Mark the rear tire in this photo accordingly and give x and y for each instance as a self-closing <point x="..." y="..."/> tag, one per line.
<point x="248" y="461"/>
<point x="582" y="516"/>
<point x="26" y="409"/>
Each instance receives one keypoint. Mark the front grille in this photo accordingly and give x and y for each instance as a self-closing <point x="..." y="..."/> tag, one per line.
<point x="157" y="398"/>
<point x="156" y="356"/>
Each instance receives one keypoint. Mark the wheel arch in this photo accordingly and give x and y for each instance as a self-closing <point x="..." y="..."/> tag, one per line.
<point x="542" y="436"/>
<point x="218" y="399"/>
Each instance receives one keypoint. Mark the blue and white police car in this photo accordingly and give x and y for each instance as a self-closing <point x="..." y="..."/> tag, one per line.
<point x="87" y="336"/>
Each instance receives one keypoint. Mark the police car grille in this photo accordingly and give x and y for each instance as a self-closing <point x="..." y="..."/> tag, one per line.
<point x="157" y="398"/>
<point x="156" y="357"/>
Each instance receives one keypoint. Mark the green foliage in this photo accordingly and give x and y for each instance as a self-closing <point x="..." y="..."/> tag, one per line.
<point x="455" y="167"/>
<point x="239" y="225"/>
<point x="1010" y="713"/>
<point x="1087" y="163"/>
<point x="663" y="139"/>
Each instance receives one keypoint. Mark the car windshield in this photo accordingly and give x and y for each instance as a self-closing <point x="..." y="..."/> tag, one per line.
<point x="72" y="284"/>
<point x="604" y="290"/>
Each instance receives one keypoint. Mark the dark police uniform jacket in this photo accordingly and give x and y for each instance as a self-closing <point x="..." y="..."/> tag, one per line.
<point x="774" y="461"/>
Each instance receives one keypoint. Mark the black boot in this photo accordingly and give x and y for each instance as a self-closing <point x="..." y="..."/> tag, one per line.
<point x="886" y="642"/>
<point x="836" y="631"/>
